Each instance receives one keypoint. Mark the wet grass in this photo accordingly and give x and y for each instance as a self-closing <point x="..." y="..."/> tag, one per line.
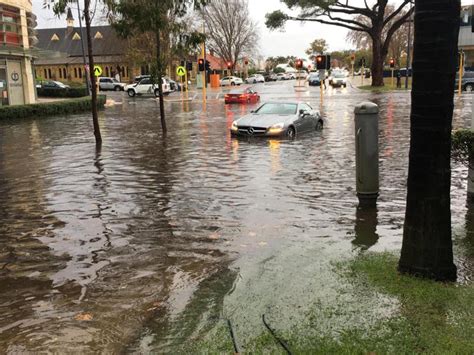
<point x="388" y="86"/>
<point x="429" y="317"/>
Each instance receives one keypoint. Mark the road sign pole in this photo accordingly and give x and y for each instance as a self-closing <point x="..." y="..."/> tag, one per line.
<point x="362" y="74"/>
<point x="461" y="72"/>
<point x="203" y="54"/>
<point x="392" y="77"/>
<point x="186" y="84"/>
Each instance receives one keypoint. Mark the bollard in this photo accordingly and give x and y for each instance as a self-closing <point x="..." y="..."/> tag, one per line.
<point x="367" y="153"/>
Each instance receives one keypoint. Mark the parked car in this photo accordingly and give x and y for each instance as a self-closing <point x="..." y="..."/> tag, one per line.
<point x="255" y="78"/>
<point x="110" y="84"/>
<point x="278" y="119"/>
<point x="338" y="79"/>
<point x="467" y="83"/>
<point x="282" y="76"/>
<point x="53" y="84"/>
<point x="313" y="79"/>
<point x="231" y="80"/>
<point x="242" y="96"/>
<point x="146" y="87"/>
<point x="291" y="76"/>
<point x="138" y="78"/>
<point x="270" y="77"/>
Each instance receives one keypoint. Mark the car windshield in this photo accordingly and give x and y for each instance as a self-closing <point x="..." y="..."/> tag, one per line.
<point x="237" y="92"/>
<point x="58" y="83"/>
<point x="314" y="76"/>
<point x="339" y="75"/>
<point x="277" y="109"/>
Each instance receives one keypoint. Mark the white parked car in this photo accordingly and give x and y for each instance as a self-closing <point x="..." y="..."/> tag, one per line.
<point x="110" y="84"/>
<point x="146" y="87"/>
<point x="282" y="76"/>
<point x="255" y="78"/>
<point x="301" y="74"/>
<point x="231" y="80"/>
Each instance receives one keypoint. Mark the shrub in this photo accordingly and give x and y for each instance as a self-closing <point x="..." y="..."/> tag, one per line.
<point x="68" y="92"/>
<point x="463" y="146"/>
<point x="63" y="107"/>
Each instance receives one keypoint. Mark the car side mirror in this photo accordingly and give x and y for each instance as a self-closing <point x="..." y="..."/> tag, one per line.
<point x="303" y="112"/>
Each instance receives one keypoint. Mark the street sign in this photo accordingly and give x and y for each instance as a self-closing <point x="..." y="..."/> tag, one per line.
<point x="181" y="71"/>
<point x="97" y="70"/>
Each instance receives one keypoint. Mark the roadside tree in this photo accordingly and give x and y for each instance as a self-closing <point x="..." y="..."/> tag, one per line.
<point x="59" y="7"/>
<point x="318" y="46"/>
<point x="380" y="25"/>
<point x="230" y="31"/>
<point x="427" y="244"/>
<point x="152" y="19"/>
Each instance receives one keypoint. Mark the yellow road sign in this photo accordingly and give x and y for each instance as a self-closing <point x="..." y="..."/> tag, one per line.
<point x="97" y="70"/>
<point x="181" y="71"/>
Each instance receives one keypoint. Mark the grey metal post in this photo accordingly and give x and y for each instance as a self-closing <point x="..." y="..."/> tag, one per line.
<point x="367" y="153"/>
<point x="83" y="50"/>
<point x="470" y="178"/>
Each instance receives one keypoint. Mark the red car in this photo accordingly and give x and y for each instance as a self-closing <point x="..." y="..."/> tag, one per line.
<point x="242" y="96"/>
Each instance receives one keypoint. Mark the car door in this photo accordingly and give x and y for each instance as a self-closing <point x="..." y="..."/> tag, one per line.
<point x="144" y="86"/>
<point x="225" y="81"/>
<point x="307" y="120"/>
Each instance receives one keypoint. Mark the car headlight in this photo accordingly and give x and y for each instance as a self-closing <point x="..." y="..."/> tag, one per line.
<point x="234" y="127"/>
<point x="276" y="128"/>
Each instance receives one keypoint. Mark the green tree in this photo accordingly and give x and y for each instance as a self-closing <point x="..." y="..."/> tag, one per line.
<point x="427" y="244"/>
<point x="379" y="25"/>
<point x="153" y="17"/>
<point x="318" y="46"/>
<point x="59" y="7"/>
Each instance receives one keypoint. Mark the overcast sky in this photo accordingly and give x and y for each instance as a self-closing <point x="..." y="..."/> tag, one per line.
<point x="294" y="40"/>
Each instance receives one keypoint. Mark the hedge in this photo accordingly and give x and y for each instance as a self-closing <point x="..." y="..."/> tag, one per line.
<point x="67" y="92"/>
<point x="63" y="107"/>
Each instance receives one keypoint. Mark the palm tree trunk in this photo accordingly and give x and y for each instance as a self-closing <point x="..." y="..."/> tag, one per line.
<point x="427" y="245"/>
<point x="95" y="117"/>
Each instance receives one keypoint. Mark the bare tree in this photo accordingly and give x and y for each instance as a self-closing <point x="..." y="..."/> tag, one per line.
<point x="231" y="33"/>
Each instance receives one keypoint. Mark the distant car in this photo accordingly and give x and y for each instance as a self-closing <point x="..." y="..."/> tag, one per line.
<point x="301" y="74"/>
<point x="255" y="78"/>
<point x="282" y="76"/>
<point x="147" y="87"/>
<point x="110" y="84"/>
<point x="53" y="84"/>
<point x="270" y="77"/>
<point x="338" y="79"/>
<point x="231" y="80"/>
<point x="174" y="86"/>
<point x="467" y="83"/>
<point x="313" y="79"/>
<point x="242" y="96"/>
<point x="291" y="76"/>
<point x="278" y="119"/>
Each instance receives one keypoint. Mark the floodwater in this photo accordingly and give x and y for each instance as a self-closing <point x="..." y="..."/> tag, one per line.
<point x="146" y="243"/>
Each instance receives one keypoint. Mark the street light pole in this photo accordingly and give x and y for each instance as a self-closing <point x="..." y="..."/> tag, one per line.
<point x="408" y="49"/>
<point x="83" y="50"/>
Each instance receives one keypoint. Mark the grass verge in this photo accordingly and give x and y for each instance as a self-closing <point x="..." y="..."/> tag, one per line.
<point x="64" y="107"/>
<point x="427" y="317"/>
<point x="388" y="87"/>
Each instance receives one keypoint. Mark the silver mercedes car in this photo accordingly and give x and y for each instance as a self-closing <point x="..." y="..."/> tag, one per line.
<point x="278" y="119"/>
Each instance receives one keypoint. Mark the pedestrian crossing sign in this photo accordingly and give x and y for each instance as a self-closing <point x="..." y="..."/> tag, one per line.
<point x="181" y="71"/>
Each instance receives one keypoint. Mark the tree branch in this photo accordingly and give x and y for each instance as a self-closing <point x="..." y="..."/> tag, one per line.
<point x="397" y="11"/>
<point x="302" y="19"/>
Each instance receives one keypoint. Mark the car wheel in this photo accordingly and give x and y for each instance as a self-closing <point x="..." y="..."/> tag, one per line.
<point x="319" y="125"/>
<point x="290" y="132"/>
<point x="157" y="93"/>
<point x="255" y="81"/>
<point x="131" y="93"/>
<point x="117" y="88"/>
<point x="468" y="88"/>
<point x="232" y="84"/>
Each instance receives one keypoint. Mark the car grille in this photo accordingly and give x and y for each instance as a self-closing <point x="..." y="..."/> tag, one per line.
<point x="252" y="131"/>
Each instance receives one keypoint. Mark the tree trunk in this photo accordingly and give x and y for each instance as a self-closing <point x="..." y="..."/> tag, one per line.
<point x="160" y="86"/>
<point x="427" y="245"/>
<point x="95" y="118"/>
<point x="378" y="58"/>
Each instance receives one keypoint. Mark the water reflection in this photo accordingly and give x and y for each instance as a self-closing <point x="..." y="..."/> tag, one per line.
<point x="365" y="227"/>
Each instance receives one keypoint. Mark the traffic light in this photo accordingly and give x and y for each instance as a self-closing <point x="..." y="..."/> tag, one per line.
<point x="323" y="62"/>
<point x="299" y="64"/>
<point x="189" y="66"/>
<point x="229" y="65"/>
<point x="208" y="65"/>
<point x="392" y="63"/>
<point x="353" y="57"/>
<point x="362" y="62"/>
<point x="246" y="62"/>
<point x="201" y="64"/>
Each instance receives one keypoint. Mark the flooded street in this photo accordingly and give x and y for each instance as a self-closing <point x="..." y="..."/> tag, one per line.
<point x="149" y="242"/>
